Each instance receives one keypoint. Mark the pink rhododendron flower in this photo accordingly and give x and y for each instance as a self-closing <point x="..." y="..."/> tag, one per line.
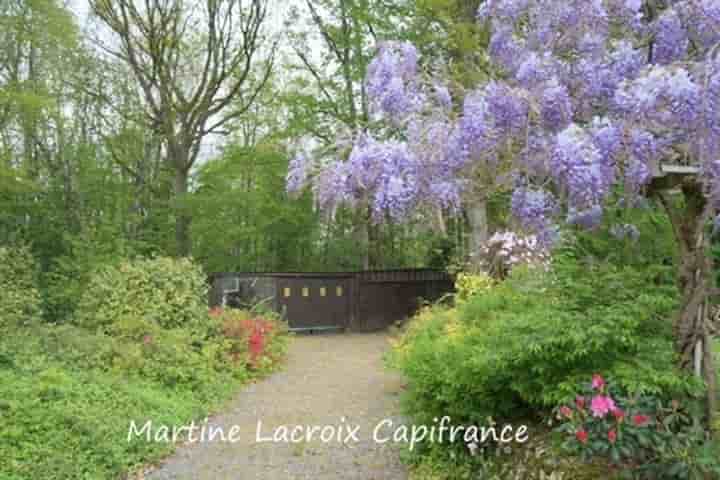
<point x="566" y="411"/>
<point x="601" y="405"/>
<point x="612" y="436"/>
<point x="597" y="382"/>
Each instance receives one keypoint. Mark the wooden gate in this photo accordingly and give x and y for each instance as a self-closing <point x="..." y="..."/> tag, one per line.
<point x="314" y="303"/>
<point x="359" y="301"/>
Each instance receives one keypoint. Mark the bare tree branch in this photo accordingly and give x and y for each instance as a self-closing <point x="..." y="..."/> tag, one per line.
<point x="195" y="64"/>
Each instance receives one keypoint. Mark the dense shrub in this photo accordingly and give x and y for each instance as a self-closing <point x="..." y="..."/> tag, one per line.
<point x="64" y="417"/>
<point x="468" y="284"/>
<point x="19" y="297"/>
<point x="68" y="394"/>
<point x="257" y="341"/>
<point x="638" y="434"/>
<point x="522" y="346"/>
<point x="69" y="273"/>
<point x="165" y="292"/>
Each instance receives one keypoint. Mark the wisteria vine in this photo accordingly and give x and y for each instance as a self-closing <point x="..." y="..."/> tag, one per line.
<point x="589" y="96"/>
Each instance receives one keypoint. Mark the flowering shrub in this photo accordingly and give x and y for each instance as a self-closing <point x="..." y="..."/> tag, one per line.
<point x="601" y="422"/>
<point x="231" y="342"/>
<point x="505" y="250"/>
<point x="525" y="343"/>
<point x="633" y="432"/>
<point x="256" y="340"/>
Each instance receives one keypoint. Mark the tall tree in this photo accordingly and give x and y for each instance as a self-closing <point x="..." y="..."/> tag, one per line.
<point x="446" y="32"/>
<point x="333" y="42"/>
<point x="192" y="63"/>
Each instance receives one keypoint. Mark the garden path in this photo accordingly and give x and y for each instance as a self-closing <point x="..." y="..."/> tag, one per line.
<point x="327" y="377"/>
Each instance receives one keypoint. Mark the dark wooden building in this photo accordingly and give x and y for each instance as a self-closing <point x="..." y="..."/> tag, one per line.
<point x="358" y="301"/>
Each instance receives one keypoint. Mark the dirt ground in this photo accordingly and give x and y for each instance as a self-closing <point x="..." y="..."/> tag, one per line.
<point x="330" y="379"/>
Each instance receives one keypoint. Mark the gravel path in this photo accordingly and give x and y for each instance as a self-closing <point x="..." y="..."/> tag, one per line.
<point x="327" y="377"/>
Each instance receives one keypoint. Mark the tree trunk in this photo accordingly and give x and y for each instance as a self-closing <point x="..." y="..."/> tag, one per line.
<point x="182" y="219"/>
<point x="478" y="222"/>
<point x="361" y="235"/>
<point x="691" y="332"/>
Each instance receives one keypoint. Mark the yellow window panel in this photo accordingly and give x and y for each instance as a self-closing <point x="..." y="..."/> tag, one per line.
<point x="339" y="291"/>
<point x="323" y="291"/>
<point x="305" y="292"/>
<point x="286" y="292"/>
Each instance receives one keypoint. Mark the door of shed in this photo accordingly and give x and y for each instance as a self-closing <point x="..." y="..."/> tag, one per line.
<point x="314" y="303"/>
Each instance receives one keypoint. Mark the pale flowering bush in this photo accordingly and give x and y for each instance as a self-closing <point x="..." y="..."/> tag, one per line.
<point x="506" y="250"/>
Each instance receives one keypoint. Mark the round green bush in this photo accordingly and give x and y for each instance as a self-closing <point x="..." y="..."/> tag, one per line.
<point x="521" y="347"/>
<point x="19" y="296"/>
<point x="166" y="292"/>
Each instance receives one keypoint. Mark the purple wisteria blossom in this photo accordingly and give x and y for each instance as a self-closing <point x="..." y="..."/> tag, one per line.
<point x="579" y="165"/>
<point x="391" y="81"/>
<point x="297" y="175"/>
<point x="584" y="96"/>
<point x="535" y="208"/>
<point x="556" y="107"/>
<point x="671" y="38"/>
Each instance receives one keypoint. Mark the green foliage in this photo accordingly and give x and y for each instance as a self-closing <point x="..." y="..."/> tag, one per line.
<point x="20" y="300"/>
<point x="654" y="246"/>
<point x="524" y="344"/>
<point x="65" y="417"/>
<point x="516" y="350"/>
<point x="68" y="394"/>
<point x="164" y="292"/>
<point x="469" y="285"/>
<point x="243" y="220"/>
<point x="69" y="274"/>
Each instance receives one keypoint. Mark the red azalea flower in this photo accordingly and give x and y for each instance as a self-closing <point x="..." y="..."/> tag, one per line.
<point x="580" y="402"/>
<point x="597" y="382"/>
<point x="640" y="420"/>
<point x="582" y="436"/>
<point x="612" y="436"/>
<point x="565" y="411"/>
<point x="619" y="414"/>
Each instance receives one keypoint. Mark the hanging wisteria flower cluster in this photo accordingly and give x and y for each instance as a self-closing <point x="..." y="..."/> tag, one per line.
<point x="395" y="176"/>
<point x="589" y="96"/>
<point x="612" y="88"/>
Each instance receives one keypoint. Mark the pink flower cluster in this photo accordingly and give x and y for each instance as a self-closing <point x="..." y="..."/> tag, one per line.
<point x="601" y="405"/>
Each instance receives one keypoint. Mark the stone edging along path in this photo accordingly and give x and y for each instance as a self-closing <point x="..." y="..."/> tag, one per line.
<point x="335" y="380"/>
